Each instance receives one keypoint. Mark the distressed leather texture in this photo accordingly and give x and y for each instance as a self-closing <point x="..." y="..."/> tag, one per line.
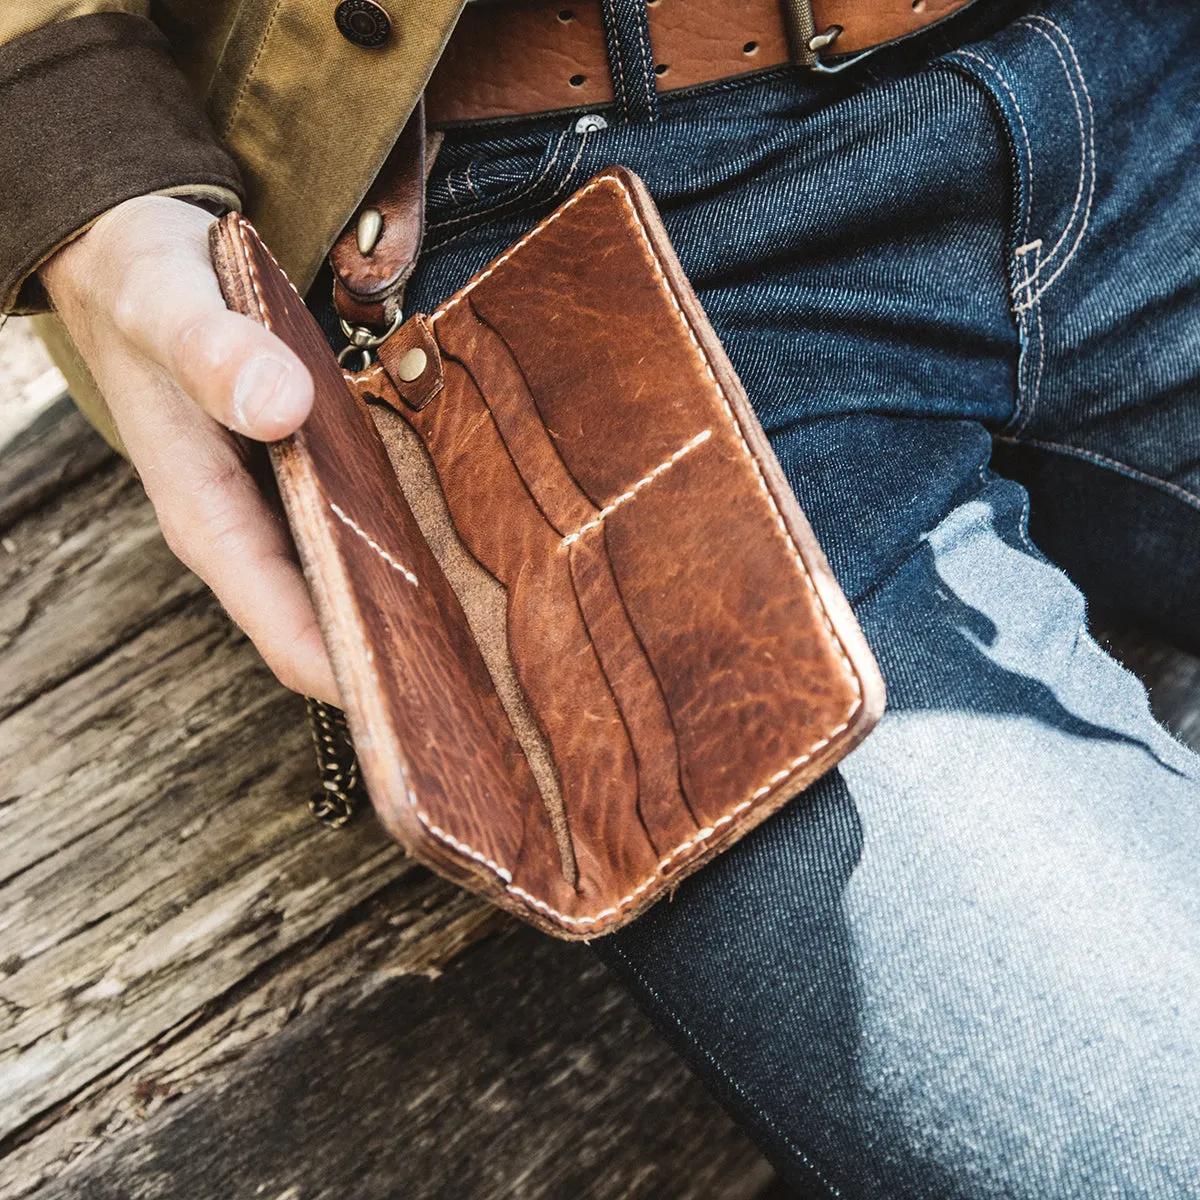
<point x="532" y="56"/>
<point x="368" y="289"/>
<point x="607" y="644"/>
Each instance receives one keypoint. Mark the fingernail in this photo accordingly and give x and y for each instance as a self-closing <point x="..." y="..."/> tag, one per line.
<point x="258" y="392"/>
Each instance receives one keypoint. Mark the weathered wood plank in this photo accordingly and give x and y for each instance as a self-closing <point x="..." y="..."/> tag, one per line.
<point x="166" y="903"/>
<point x="55" y="451"/>
<point x="411" y="926"/>
<point x="170" y="860"/>
<point x="523" y="1072"/>
<point x="84" y="574"/>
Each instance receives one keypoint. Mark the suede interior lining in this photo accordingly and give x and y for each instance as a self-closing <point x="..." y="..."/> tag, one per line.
<point x="484" y="600"/>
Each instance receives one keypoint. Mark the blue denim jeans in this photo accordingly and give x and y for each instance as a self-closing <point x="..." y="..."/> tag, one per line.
<point x="962" y="274"/>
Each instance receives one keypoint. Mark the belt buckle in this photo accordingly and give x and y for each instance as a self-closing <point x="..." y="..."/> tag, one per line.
<point x="806" y="43"/>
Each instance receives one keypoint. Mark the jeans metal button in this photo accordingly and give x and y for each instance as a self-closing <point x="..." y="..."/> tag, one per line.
<point x="363" y="22"/>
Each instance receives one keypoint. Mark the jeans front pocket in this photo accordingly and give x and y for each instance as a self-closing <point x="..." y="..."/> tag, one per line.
<point x="478" y="178"/>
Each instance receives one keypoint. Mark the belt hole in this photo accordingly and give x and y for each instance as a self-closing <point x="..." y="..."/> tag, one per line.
<point x="918" y="5"/>
<point x="749" y="47"/>
<point x="661" y="69"/>
<point x="566" y="15"/>
<point x="577" y="80"/>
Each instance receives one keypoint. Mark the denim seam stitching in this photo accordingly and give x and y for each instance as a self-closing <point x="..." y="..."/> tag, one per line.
<point x="503" y="210"/>
<point x="757" y="1108"/>
<point x="623" y="102"/>
<point x="450" y="190"/>
<point x="1087" y="141"/>
<point x="470" y="182"/>
<point x="531" y="187"/>
<point x="1113" y="464"/>
<point x="1024" y="403"/>
<point x="651" y="87"/>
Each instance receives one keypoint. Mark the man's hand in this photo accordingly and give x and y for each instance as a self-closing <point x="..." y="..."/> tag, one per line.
<point x="179" y="371"/>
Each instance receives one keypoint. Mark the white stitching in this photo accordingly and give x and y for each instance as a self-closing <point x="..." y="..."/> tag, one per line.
<point x="651" y="88"/>
<point x="847" y="664"/>
<point x="1087" y="151"/>
<point x="617" y="56"/>
<point x="562" y="137"/>
<point x="1024" y="135"/>
<point x="366" y="537"/>
<point x="629" y="494"/>
<point x="1190" y="498"/>
<point x="1022" y="413"/>
<point x="1083" y="149"/>
<point x="700" y="836"/>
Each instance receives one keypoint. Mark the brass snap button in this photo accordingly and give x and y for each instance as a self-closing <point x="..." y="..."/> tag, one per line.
<point x="412" y="366"/>
<point x="363" y="22"/>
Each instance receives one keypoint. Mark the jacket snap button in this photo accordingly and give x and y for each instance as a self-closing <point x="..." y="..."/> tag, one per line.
<point x="363" y="22"/>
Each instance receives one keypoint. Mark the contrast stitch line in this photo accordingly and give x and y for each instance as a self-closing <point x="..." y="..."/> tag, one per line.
<point x="241" y="225"/>
<point x="1087" y="150"/>
<point x="1021" y="251"/>
<point x="1083" y="157"/>
<point x="366" y="537"/>
<point x="1122" y="468"/>
<point x="471" y="182"/>
<point x="628" y="495"/>
<point x="721" y="1070"/>
<point x="617" y="56"/>
<point x="239" y="99"/>
<point x="252" y="271"/>
<point x="562" y="137"/>
<point x="598" y="918"/>
<point x="614" y="909"/>
<point x="651" y="87"/>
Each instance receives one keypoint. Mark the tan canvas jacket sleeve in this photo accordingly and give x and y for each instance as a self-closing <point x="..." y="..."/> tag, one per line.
<point x="261" y="101"/>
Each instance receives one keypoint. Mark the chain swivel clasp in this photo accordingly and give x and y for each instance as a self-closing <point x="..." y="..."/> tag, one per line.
<point x="364" y="339"/>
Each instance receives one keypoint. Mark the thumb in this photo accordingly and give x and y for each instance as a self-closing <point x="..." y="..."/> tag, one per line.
<point x="169" y="307"/>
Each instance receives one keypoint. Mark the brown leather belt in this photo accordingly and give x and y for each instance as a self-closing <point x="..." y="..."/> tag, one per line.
<point x="530" y="56"/>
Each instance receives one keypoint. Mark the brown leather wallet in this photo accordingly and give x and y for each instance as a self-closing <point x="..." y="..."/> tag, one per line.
<point x="584" y="636"/>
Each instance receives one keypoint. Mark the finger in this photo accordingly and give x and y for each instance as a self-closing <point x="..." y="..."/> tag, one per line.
<point x="238" y="372"/>
<point x="217" y="522"/>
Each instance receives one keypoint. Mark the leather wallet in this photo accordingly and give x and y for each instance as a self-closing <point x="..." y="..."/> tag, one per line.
<point x="584" y="636"/>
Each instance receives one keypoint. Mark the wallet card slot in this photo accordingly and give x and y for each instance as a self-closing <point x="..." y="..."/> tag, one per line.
<point x="495" y="512"/>
<point x="488" y="359"/>
<point x="484" y="601"/>
<point x="662" y="805"/>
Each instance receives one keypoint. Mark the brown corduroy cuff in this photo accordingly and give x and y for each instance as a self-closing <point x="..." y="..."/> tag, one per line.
<point x="93" y="111"/>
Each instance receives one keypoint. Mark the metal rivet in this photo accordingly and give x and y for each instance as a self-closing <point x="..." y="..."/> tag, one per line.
<point x="412" y="365"/>
<point x="590" y="123"/>
<point x="370" y="226"/>
<point x="363" y="22"/>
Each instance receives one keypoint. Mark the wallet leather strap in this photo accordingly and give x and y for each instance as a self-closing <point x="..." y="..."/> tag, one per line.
<point x="377" y="251"/>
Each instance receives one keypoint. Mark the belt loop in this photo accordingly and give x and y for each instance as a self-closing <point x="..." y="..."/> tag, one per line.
<point x="801" y="29"/>
<point x="630" y="59"/>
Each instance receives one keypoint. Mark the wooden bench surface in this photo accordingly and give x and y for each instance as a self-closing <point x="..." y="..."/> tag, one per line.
<point x="204" y="994"/>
